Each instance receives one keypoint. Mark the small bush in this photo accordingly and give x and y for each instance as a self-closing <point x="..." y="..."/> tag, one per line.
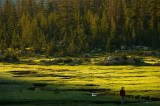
<point x="45" y="62"/>
<point x="62" y="61"/>
<point x="157" y="64"/>
<point x="9" y="57"/>
<point x="124" y="57"/>
<point x="67" y="60"/>
<point x="121" y="60"/>
<point x="31" y="62"/>
<point x="88" y="60"/>
<point x="137" y="60"/>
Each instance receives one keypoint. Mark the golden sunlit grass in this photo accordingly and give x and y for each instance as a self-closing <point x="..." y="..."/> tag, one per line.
<point x="137" y="80"/>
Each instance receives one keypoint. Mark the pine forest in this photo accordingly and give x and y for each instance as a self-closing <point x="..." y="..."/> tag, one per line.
<point x="69" y="27"/>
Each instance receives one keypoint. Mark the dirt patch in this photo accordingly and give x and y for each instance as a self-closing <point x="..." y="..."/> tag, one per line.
<point x="138" y="72"/>
<point x="54" y="75"/>
<point x="89" y="90"/>
<point x="62" y="70"/>
<point x="29" y="73"/>
<point x="81" y="90"/>
<point x="39" y="84"/>
<point x="26" y="72"/>
<point x="48" y="80"/>
<point x="140" y="76"/>
<point x="91" y="85"/>
<point x="18" y="76"/>
<point x="66" y="78"/>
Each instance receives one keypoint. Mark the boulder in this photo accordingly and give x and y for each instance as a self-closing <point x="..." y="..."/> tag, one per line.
<point x="87" y="55"/>
<point x="121" y="60"/>
<point x="110" y="58"/>
<point x="145" y="48"/>
<point x="131" y="61"/>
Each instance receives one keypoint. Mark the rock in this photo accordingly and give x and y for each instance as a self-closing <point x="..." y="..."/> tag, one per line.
<point x="117" y="51"/>
<point x="77" y="61"/>
<point x="138" y="47"/>
<point x="67" y="60"/>
<point x="87" y="55"/>
<point x="123" y="47"/>
<point x="157" y="53"/>
<point x="93" y="51"/>
<point x="145" y="48"/>
<point x="121" y="60"/>
<point x="110" y="58"/>
<point x="131" y="61"/>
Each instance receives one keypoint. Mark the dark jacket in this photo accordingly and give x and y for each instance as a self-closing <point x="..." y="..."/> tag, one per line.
<point x="122" y="93"/>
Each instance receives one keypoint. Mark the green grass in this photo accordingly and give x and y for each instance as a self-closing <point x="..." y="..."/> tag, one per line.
<point x="137" y="80"/>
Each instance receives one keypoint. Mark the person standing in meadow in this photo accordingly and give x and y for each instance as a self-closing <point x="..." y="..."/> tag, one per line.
<point x="122" y="94"/>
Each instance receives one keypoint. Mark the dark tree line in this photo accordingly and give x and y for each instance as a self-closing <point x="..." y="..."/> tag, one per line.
<point x="70" y="27"/>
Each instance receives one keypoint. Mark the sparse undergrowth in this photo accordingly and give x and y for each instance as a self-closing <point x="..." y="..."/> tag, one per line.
<point x="9" y="57"/>
<point x="122" y="60"/>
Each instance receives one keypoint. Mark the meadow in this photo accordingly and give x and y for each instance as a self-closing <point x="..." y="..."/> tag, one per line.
<point x="73" y="85"/>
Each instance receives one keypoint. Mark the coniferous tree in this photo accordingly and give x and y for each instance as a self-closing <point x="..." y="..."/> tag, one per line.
<point x="15" y="40"/>
<point x="77" y="26"/>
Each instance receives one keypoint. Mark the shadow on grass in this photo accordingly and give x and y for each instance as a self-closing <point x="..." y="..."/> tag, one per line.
<point x="41" y="102"/>
<point x="5" y="82"/>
